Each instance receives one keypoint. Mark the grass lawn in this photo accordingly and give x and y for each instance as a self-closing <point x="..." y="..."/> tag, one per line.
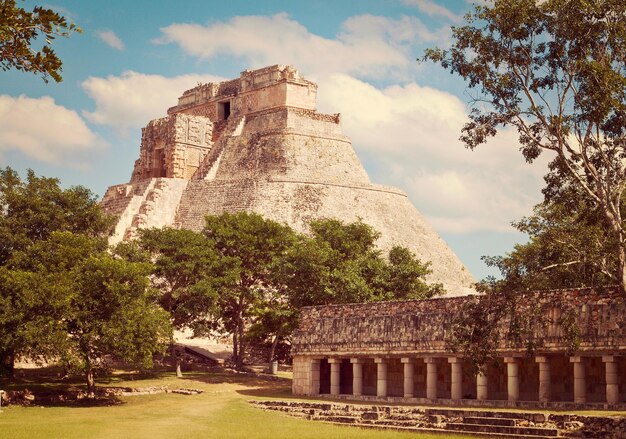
<point x="221" y="411"/>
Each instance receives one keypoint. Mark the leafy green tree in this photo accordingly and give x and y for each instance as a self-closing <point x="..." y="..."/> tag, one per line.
<point x="254" y="248"/>
<point x="83" y="304"/>
<point x="30" y="211"/>
<point x="19" y="32"/>
<point x="554" y="70"/>
<point x="188" y="272"/>
<point x="340" y="263"/>
<point x="567" y="248"/>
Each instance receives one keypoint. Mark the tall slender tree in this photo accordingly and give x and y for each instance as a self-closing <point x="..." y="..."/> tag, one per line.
<point x="555" y="70"/>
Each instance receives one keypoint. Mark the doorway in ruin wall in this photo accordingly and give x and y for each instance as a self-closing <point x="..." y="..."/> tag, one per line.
<point x="223" y="110"/>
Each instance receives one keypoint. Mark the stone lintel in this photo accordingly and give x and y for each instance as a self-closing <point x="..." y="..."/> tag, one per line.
<point x="608" y="359"/>
<point x="358" y="360"/>
<point x="576" y="359"/>
<point x="408" y="360"/>
<point x="541" y="359"/>
<point x="453" y="360"/>
<point x="335" y="360"/>
<point x="379" y="360"/>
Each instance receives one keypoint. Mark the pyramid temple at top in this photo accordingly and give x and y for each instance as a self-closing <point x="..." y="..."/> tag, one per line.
<point x="257" y="144"/>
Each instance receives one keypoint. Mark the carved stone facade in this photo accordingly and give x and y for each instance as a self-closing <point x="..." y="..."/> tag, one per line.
<point x="398" y="350"/>
<point x="256" y="143"/>
<point x="173" y="147"/>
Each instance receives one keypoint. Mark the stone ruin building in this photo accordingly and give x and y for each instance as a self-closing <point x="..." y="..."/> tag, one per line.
<point x="257" y="144"/>
<point x="397" y="351"/>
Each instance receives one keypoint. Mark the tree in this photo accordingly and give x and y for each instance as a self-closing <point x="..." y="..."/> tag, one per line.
<point x="254" y="247"/>
<point x="188" y="273"/>
<point x="340" y="263"/>
<point x="568" y="247"/>
<point x="556" y="71"/>
<point x="19" y="30"/>
<point x="83" y="304"/>
<point x="29" y="212"/>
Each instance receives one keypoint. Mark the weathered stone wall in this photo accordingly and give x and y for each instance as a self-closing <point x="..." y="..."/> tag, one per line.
<point x="255" y="90"/>
<point x="173" y="147"/>
<point x="421" y="327"/>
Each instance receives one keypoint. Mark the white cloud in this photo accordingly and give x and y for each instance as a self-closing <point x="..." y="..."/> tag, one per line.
<point x="43" y="130"/>
<point x="366" y="46"/>
<point x="133" y="99"/>
<point x="412" y="132"/>
<point x="111" y="39"/>
<point x="432" y="9"/>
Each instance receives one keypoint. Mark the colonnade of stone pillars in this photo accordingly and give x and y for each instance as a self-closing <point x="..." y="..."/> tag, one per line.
<point x="545" y="387"/>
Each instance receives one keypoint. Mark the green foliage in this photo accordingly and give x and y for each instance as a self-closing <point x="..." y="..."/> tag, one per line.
<point x="30" y="211"/>
<point x="554" y="70"/>
<point x="340" y="264"/>
<point x="19" y="32"/>
<point x="568" y="247"/>
<point x="254" y="248"/>
<point x="81" y="304"/>
<point x="188" y="273"/>
<point x="248" y="276"/>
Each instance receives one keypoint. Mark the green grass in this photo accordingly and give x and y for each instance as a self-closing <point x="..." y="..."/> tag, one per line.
<point x="221" y="411"/>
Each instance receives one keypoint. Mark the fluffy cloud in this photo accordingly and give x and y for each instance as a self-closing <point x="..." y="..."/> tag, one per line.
<point x="43" y="130"/>
<point x="133" y="99"/>
<point x="111" y="39"/>
<point x="431" y="8"/>
<point x="366" y="45"/>
<point x="411" y="133"/>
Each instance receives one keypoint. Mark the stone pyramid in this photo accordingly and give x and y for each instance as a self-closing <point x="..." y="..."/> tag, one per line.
<point x="257" y="144"/>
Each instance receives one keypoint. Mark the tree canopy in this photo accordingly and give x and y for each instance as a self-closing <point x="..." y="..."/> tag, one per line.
<point x="554" y="70"/>
<point x="20" y="47"/>
<point x="248" y="276"/>
<point x="30" y="211"/>
<point x="79" y="304"/>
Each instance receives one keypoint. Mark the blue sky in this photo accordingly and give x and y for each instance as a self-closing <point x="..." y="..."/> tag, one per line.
<point x="135" y="57"/>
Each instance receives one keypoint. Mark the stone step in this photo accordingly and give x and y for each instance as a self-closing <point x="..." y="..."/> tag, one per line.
<point x="490" y="421"/>
<point x="336" y="419"/>
<point x="528" y="416"/>
<point x="521" y="431"/>
<point x="446" y="433"/>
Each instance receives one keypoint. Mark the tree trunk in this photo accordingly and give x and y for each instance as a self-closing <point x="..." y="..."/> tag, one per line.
<point x="242" y="347"/>
<point x="235" y="349"/>
<point x="91" y="384"/>
<point x="621" y="268"/>
<point x="175" y="359"/>
<point x="273" y="349"/>
<point x="7" y="363"/>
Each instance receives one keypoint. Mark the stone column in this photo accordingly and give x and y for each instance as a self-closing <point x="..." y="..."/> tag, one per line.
<point x="512" y="378"/>
<point x="381" y="376"/>
<point x="456" y="385"/>
<point x="431" y="378"/>
<point x="357" y="376"/>
<point x="409" y="380"/>
<point x="580" y="385"/>
<point x="544" y="379"/>
<point x="612" y="383"/>
<point x="335" y="375"/>
<point x="482" y="388"/>
<point x="314" y="388"/>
